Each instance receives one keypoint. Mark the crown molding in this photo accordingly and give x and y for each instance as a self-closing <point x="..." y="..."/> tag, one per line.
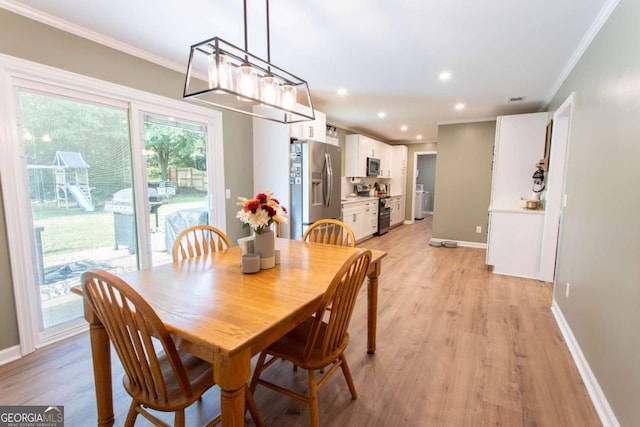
<point x="88" y="34"/>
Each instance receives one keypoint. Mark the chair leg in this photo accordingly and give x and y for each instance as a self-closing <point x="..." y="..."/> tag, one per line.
<point x="253" y="408"/>
<point x="257" y="372"/>
<point x="313" y="399"/>
<point x="132" y="414"/>
<point x="347" y="376"/>
<point x="179" y="418"/>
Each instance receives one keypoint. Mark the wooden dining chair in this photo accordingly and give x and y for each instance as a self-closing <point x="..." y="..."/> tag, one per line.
<point x="199" y="240"/>
<point x="330" y="231"/>
<point x="157" y="374"/>
<point x="317" y="344"/>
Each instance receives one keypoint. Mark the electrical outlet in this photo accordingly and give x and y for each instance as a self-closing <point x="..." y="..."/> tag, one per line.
<point x="227" y="193"/>
<point x="566" y="290"/>
<point x="478" y="229"/>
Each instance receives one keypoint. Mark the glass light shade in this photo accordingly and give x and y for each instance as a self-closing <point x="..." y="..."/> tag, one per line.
<point x="270" y="90"/>
<point x="220" y="74"/>
<point x="288" y="97"/>
<point x="246" y="82"/>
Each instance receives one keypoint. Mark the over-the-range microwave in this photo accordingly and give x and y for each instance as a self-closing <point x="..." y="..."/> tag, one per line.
<point x="373" y="166"/>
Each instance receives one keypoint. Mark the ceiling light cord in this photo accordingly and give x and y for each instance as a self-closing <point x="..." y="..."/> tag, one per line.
<point x="246" y="33"/>
<point x="268" y="39"/>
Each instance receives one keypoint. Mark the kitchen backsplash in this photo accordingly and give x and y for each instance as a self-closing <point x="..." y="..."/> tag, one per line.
<point x="347" y="185"/>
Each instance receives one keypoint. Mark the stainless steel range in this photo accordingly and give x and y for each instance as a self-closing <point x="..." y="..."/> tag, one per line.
<point x="384" y="214"/>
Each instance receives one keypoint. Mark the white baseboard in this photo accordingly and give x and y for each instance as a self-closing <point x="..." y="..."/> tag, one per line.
<point x="463" y="243"/>
<point x="9" y="354"/>
<point x="607" y="417"/>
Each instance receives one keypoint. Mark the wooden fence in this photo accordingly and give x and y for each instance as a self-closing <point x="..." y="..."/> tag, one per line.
<point x="189" y="178"/>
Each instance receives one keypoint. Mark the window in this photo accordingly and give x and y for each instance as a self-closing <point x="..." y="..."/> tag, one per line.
<point x="84" y="186"/>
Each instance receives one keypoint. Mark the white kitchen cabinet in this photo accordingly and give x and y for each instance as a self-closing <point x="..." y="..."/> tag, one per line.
<point x="397" y="210"/>
<point x="355" y="155"/>
<point x="386" y="160"/>
<point x="358" y="148"/>
<point x="361" y="217"/>
<point x="315" y="130"/>
<point x="353" y="216"/>
<point x="515" y="234"/>
<point x="371" y="219"/>
<point x="515" y="240"/>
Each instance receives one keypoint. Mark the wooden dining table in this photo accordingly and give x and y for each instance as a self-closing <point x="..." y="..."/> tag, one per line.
<point x="223" y="316"/>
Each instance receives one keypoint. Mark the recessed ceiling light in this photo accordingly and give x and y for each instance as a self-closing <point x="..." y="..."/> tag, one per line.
<point x="382" y="114"/>
<point x="444" y="76"/>
<point x="460" y="106"/>
<point x="418" y="136"/>
<point x="404" y="128"/>
<point x="342" y="91"/>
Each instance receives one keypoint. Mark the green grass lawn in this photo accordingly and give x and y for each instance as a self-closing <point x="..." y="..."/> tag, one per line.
<point x="72" y="230"/>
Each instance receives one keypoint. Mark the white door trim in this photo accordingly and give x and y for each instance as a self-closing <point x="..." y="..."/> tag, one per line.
<point x="414" y="177"/>
<point x="14" y="71"/>
<point x="555" y="191"/>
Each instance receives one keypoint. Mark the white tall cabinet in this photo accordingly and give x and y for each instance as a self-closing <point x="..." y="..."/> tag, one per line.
<point x="515" y="234"/>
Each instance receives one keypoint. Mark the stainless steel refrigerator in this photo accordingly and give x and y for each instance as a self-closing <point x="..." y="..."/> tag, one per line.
<point x="315" y="184"/>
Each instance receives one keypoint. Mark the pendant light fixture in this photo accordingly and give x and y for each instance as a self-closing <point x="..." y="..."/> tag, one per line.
<point x="226" y="76"/>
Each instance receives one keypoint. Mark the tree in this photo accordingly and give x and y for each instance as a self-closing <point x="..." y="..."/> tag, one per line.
<point x="173" y="146"/>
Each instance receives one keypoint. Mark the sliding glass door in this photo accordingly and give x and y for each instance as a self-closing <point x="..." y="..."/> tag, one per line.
<point x="178" y="182"/>
<point x="78" y="157"/>
<point x="95" y="175"/>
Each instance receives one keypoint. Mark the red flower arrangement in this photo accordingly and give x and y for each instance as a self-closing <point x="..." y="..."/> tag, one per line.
<point x="261" y="211"/>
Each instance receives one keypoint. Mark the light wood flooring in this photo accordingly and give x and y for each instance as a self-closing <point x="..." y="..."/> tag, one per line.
<point x="457" y="346"/>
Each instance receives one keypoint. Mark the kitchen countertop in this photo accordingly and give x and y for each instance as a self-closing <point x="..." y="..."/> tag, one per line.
<point x="348" y="200"/>
<point x="515" y="209"/>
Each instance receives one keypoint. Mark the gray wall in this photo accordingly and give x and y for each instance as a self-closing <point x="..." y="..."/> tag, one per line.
<point x="463" y="181"/>
<point x="427" y="176"/>
<point x="28" y="39"/>
<point x="599" y="251"/>
<point x="9" y="328"/>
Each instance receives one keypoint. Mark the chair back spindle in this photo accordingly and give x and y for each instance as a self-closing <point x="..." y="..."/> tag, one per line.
<point x="199" y="240"/>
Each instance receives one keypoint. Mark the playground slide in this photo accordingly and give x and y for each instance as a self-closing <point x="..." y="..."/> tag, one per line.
<point x="80" y="198"/>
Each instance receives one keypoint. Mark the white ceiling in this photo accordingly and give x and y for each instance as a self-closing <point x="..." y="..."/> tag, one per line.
<point x="387" y="54"/>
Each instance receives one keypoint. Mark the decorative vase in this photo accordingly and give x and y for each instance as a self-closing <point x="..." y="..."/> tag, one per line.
<point x="264" y="244"/>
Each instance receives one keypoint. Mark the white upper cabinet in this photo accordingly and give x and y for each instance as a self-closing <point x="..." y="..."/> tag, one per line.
<point x="315" y="130"/>
<point x="357" y="149"/>
<point x="386" y="160"/>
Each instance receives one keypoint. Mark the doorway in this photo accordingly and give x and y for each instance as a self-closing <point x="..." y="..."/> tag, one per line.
<point x="555" y="188"/>
<point x="424" y="177"/>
